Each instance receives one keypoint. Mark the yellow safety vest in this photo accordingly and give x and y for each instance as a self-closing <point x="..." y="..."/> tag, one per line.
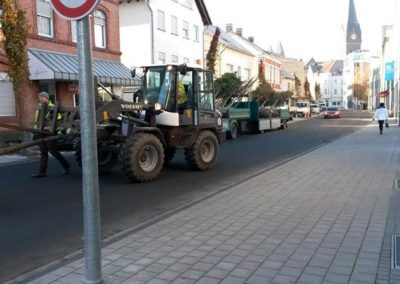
<point x="181" y="93"/>
<point x="47" y="116"/>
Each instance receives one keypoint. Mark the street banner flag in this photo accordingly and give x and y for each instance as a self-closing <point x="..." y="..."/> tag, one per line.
<point x="389" y="71"/>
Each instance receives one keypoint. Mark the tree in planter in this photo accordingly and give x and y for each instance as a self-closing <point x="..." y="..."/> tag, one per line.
<point x="212" y="53"/>
<point x="297" y="85"/>
<point x="282" y="97"/>
<point x="226" y="86"/>
<point x="317" y="89"/>
<point x="264" y="92"/>
<point x="15" y="31"/>
<point x="307" y="93"/>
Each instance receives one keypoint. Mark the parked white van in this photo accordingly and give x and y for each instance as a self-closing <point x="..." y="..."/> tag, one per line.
<point x="303" y="109"/>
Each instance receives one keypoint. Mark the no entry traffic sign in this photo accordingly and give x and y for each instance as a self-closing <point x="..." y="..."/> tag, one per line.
<point x="74" y="9"/>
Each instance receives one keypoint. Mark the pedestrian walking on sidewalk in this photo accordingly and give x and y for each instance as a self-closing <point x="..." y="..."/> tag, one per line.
<point x="381" y="115"/>
<point x="48" y="146"/>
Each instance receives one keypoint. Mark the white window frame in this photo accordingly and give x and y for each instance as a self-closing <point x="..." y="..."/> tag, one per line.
<point x="247" y="73"/>
<point x="185" y="29"/>
<point x="229" y="68"/>
<point x="174" y="58"/>
<point x="100" y="28"/>
<point x="160" y="20"/>
<point x="188" y="3"/>
<point x="161" y="57"/>
<point x="74" y="31"/>
<point x="7" y="97"/>
<point x="196" y="33"/>
<point x="44" y="18"/>
<point x="174" y="25"/>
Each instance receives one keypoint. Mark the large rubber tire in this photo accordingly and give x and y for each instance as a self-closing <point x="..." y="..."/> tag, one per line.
<point x="169" y="154"/>
<point x="106" y="159"/>
<point x="142" y="157"/>
<point x="203" y="154"/>
<point x="233" y="131"/>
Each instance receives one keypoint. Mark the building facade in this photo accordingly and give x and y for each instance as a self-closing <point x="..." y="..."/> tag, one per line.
<point x="330" y="80"/>
<point x="232" y="57"/>
<point x="272" y="65"/>
<point x="296" y="68"/>
<point x="162" y="31"/>
<point x="358" y="69"/>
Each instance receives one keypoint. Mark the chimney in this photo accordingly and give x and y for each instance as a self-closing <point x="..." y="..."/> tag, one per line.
<point x="251" y="39"/>
<point x="229" y="27"/>
<point x="239" y="31"/>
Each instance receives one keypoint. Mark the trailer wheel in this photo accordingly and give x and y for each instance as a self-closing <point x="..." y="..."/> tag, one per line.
<point x="233" y="130"/>
<point x="169" y="154"/>
<point x="142" y="157"/>
<point x="203" y="154"/>
<point x="106" y="159"/>
<point x="284" y="124"/>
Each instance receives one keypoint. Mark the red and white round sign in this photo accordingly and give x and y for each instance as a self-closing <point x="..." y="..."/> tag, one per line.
<point x="74" y="9"/>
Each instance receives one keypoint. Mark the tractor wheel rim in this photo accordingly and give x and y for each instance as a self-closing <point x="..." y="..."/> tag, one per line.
<point x="207" y="151"/>
<point x="148" y="158"/>
<point x="104" y="157"/>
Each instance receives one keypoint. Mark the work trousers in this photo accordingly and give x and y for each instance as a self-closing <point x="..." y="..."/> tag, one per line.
<point x="46" y="148"/>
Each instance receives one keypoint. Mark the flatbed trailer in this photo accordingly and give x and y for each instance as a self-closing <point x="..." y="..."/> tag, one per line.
<point x="246" y="117"/>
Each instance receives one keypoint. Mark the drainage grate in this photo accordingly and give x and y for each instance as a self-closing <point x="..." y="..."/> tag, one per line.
<point x="396" y="252"/>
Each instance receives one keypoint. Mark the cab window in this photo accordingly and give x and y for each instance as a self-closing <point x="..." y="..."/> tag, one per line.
<point x="205" y="90"/>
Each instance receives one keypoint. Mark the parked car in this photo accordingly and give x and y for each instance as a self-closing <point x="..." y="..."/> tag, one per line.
<point x="315" y="108"/>
<point x="332" y="112"/>
<point x="322" y="107"/>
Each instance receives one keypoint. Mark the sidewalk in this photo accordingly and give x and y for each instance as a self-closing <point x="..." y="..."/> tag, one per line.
<point x="320" y="218"/>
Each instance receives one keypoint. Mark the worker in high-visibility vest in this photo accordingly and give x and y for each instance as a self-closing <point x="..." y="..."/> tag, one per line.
<point x="49" y="146"/>
<point x="182" y="97"/>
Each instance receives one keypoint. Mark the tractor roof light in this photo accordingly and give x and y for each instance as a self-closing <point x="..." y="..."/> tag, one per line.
<point x="157" y="106"/>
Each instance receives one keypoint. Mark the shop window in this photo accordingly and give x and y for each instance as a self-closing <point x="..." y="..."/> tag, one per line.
<point x="7" y="98"/>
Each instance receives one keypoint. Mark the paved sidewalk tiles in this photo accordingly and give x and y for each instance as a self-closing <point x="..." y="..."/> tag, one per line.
<point x="324" y="217"/>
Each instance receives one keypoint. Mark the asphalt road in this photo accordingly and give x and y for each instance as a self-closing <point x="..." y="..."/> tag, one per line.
<point x="41" y="219"/>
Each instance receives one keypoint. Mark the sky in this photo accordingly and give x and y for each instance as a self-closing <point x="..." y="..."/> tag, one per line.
<point x="307" y="28"/>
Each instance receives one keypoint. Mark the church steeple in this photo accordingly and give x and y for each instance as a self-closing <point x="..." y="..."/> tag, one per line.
<point x="353" y="31"/>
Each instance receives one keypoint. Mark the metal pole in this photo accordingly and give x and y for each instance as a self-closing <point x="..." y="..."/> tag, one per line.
<point x="90" y="178"/>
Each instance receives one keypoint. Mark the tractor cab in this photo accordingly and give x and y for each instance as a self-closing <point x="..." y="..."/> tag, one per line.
<point x="185" y="94"/>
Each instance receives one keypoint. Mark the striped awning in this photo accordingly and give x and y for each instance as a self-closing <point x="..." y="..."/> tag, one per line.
<point x="50" y="65"/>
